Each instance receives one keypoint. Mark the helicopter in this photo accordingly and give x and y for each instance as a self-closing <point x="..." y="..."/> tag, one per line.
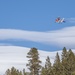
<point x="59" y="20"/>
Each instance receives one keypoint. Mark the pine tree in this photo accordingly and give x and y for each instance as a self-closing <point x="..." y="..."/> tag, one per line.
<point x="47" y="69"/>
<point x="48" y="66"/>
<point x="57" y="65"/>
<point x="20" y="73"/>
<point x="24" y="73"/>
<point x="8" y="72"/>
<point x="64" y="54"/>
<point x="43" y="71"/>
<point x="13" y="71"/>
<point x="71" y="62"/>
<point x="64" y="61"/>
<point x="34" y="62"/>
<point x="48" y="63"/>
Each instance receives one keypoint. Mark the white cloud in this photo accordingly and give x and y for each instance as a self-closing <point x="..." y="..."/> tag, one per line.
<point x="16" y="56"/>
<point x="62" y="37"/>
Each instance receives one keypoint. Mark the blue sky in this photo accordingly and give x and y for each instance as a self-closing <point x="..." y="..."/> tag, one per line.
<point x="36" y="16"/>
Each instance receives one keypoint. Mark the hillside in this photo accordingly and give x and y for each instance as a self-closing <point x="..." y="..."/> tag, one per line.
<point x="16" y="56"/>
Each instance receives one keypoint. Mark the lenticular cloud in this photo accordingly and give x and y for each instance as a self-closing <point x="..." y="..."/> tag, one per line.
<point x="62" y="37"/>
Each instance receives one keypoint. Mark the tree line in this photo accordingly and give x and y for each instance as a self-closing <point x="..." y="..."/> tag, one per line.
<point x="64" y="65"/>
